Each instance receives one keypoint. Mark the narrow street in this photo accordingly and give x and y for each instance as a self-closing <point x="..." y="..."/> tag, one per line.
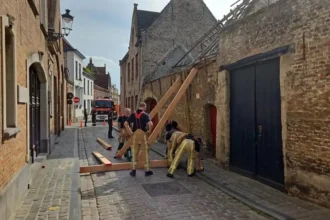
<point x="116" y="195"/>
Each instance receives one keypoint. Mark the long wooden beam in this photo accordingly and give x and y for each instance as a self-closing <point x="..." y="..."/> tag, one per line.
<point x="104" y="144"/>
<point x="121" y="166"/>
<point x="173" y="104"/>
<point x="174" y="88"/>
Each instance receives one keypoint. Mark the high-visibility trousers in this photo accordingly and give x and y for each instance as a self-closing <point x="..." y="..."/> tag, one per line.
<point x="173" y="146"/>
<point x="140" y="143"/>
<point x="187" y="146"/>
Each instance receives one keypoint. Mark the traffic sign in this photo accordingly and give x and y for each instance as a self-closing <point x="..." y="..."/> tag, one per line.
<point x="69" y="95"/>
<point x="76" y="99"/>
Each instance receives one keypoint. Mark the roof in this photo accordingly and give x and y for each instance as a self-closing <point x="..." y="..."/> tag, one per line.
<point x="102" y="80"/>
<point x="146" y="18"/>
<point x="124" y="58"/>
<point x="89" y="75"/>
<point x="68" y="47"/>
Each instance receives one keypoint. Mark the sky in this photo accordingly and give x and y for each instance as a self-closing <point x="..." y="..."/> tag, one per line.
<point x="101" y="28"/>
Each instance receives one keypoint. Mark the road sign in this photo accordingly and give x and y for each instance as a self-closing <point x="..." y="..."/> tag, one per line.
<point x="76" y="99"/>
<point x="69" y="95"/>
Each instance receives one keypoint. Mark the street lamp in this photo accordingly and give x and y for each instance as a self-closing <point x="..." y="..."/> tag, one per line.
<point x="67" y="21"/>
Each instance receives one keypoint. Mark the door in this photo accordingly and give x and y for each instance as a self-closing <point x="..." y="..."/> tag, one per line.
<point x="255" y="122"/>
<point x="242" y="120"/>
<point x="268" y="119"/>
<point x="213" y="122"/>
<point x="34" y="114"/>
<point x="153" y="104"/>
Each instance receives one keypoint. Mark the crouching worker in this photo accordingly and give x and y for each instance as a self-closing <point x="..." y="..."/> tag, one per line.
<point x="191" y="145"/>
<point x="123" y="134"/>
<point x="171" y="128"/>
<point x="142" y="127"/>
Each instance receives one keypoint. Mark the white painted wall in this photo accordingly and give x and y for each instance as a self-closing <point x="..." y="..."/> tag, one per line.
<point x="88" y="94"/>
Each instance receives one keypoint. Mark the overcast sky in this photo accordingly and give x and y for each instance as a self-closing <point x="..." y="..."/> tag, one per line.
<point x="101" y="28"/>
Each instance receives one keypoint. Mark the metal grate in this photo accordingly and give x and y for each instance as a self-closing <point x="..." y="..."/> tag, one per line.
<point x="165" y="189"/>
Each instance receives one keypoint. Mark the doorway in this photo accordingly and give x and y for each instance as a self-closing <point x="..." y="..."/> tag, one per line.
<point x="34" y="113"/>
<point x="151" y="104"/>
<point x="211" y="127"/>
<point x="255" y="122"/>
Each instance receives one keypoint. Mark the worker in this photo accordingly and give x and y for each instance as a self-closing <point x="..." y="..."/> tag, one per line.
<point x="141" y="129"/>
<point x="123" y="134"/>
<point x="85" y="117"/>
<point x="191" y="145"/>
<point x="94" y="117"/>
<point x="171" y="139"/>
<point x="170" y="128"/>
<point x="111" y="116"/>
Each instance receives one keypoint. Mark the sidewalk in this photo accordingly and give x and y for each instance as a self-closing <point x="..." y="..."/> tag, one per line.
<point x="255" y="194"/>
<point x="54" y="193"/>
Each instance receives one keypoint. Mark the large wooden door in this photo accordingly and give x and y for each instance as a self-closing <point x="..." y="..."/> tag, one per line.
<point x="242" y="120"/>
<point x="34" y="114"/>
<point x="270" y="165"/>
<point x="255" y="122"/>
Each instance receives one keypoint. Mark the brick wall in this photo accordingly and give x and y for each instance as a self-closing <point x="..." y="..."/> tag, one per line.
<point x="304" y="86"/>
<point x="101" y="92"/>
<point x="29" y="39"/>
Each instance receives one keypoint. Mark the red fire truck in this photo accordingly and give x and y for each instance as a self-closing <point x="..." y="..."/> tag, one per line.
<point x="102" y="107"/>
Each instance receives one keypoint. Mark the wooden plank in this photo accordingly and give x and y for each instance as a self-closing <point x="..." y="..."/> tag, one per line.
<point x="122" y="166"/>
<point x="104" y="144"/>
<point x="174" y="88"/>
<point x="102" y="159"/>
<point x="172" y="106"/>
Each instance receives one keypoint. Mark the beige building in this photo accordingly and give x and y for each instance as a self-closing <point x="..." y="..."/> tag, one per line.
<point x="32" y="90"/>
<point x="115" y="94"/>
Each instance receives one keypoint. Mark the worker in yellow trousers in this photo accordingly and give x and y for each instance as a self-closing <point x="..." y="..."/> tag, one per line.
<point x="141" y="128"/>
<point x="191" y="145"/>
<point x="172" y="145"/>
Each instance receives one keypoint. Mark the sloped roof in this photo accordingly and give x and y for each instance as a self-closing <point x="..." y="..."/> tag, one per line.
<point x="102" y="80"/>
<point x="146" y="18"/>
<point x="68" y="47"/>
<point x="207" y="45"/>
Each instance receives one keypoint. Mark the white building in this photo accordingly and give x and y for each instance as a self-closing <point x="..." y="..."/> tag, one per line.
<point x="73" y="60"/>
<point x="88" y="82"/>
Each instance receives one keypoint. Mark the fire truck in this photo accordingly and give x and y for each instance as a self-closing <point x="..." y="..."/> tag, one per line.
<point x="102" y="107"/>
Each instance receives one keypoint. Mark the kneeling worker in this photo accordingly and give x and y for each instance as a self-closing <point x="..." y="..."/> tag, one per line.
<point x="171" y="139"/>
<point x="142" y="127"/>
<point x="191" y="145"/>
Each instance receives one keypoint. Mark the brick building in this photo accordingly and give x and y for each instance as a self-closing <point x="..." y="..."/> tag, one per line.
<point x="102" y="82"/>
<point x="31" y="70"/>
<point x="266" y="90"/>
<point x="153" y="36"/>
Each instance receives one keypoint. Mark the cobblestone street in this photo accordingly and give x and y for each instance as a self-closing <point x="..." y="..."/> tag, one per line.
<point x="116" y="195"/>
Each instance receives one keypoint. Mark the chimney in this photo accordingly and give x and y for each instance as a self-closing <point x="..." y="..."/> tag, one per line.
<point x="135" y="5"/>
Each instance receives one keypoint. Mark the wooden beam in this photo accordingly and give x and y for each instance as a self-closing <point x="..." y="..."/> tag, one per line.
<point x="174" y="88"/>
<point x="104" y="144"/>
<point x="102" y="159"/>
<point x="122" y="166"/>
<point x="173" y="104"/>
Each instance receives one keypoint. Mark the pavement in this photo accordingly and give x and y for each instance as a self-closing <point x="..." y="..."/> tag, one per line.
<point x="60" y="192"/>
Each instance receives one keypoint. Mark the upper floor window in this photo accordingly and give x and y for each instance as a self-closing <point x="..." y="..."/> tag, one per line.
<point x="132" y="69"/>
<point x="132" y="37"/>
<point x="79" y="71"/>
<point x="9" y="73"/>
<point x="136" y="65"/>
<point x="91" y="87"/>
<point x="128" y="72"/>
<point x="84" y="87"/>
<point x="43" y="16"/>
<point x="77" y="76"/>
<point x="87" y="87"/>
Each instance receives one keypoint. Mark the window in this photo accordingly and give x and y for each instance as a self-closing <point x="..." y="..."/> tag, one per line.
<point x="136" y="65"/>
<point x="87" y="87"/>
<point x="84" y="87"/>
<point x="132" y="69"/>
<point x="77" y="70"/>
<point x="129" y="102"/>
<point x="43" y="16"/>
<point x="128" y="72"/>
<point x="126" y="103"/>
<point x="132" y="37"/>
<point x="136" y="100"/>
<point x="9" y="77"/>
<point x="91" y="88"/>
<point x="132" y="102"/>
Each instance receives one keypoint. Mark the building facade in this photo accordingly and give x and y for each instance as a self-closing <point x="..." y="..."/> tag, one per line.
<point x="102" y="82"/>
<point x="88" y="79"/>
<point x="266" y="90"/>
<point x="30" y="69"/>
<point x="115" y="94"/>
<point x="74" y="64"/>
<point x="154" y="35"/>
